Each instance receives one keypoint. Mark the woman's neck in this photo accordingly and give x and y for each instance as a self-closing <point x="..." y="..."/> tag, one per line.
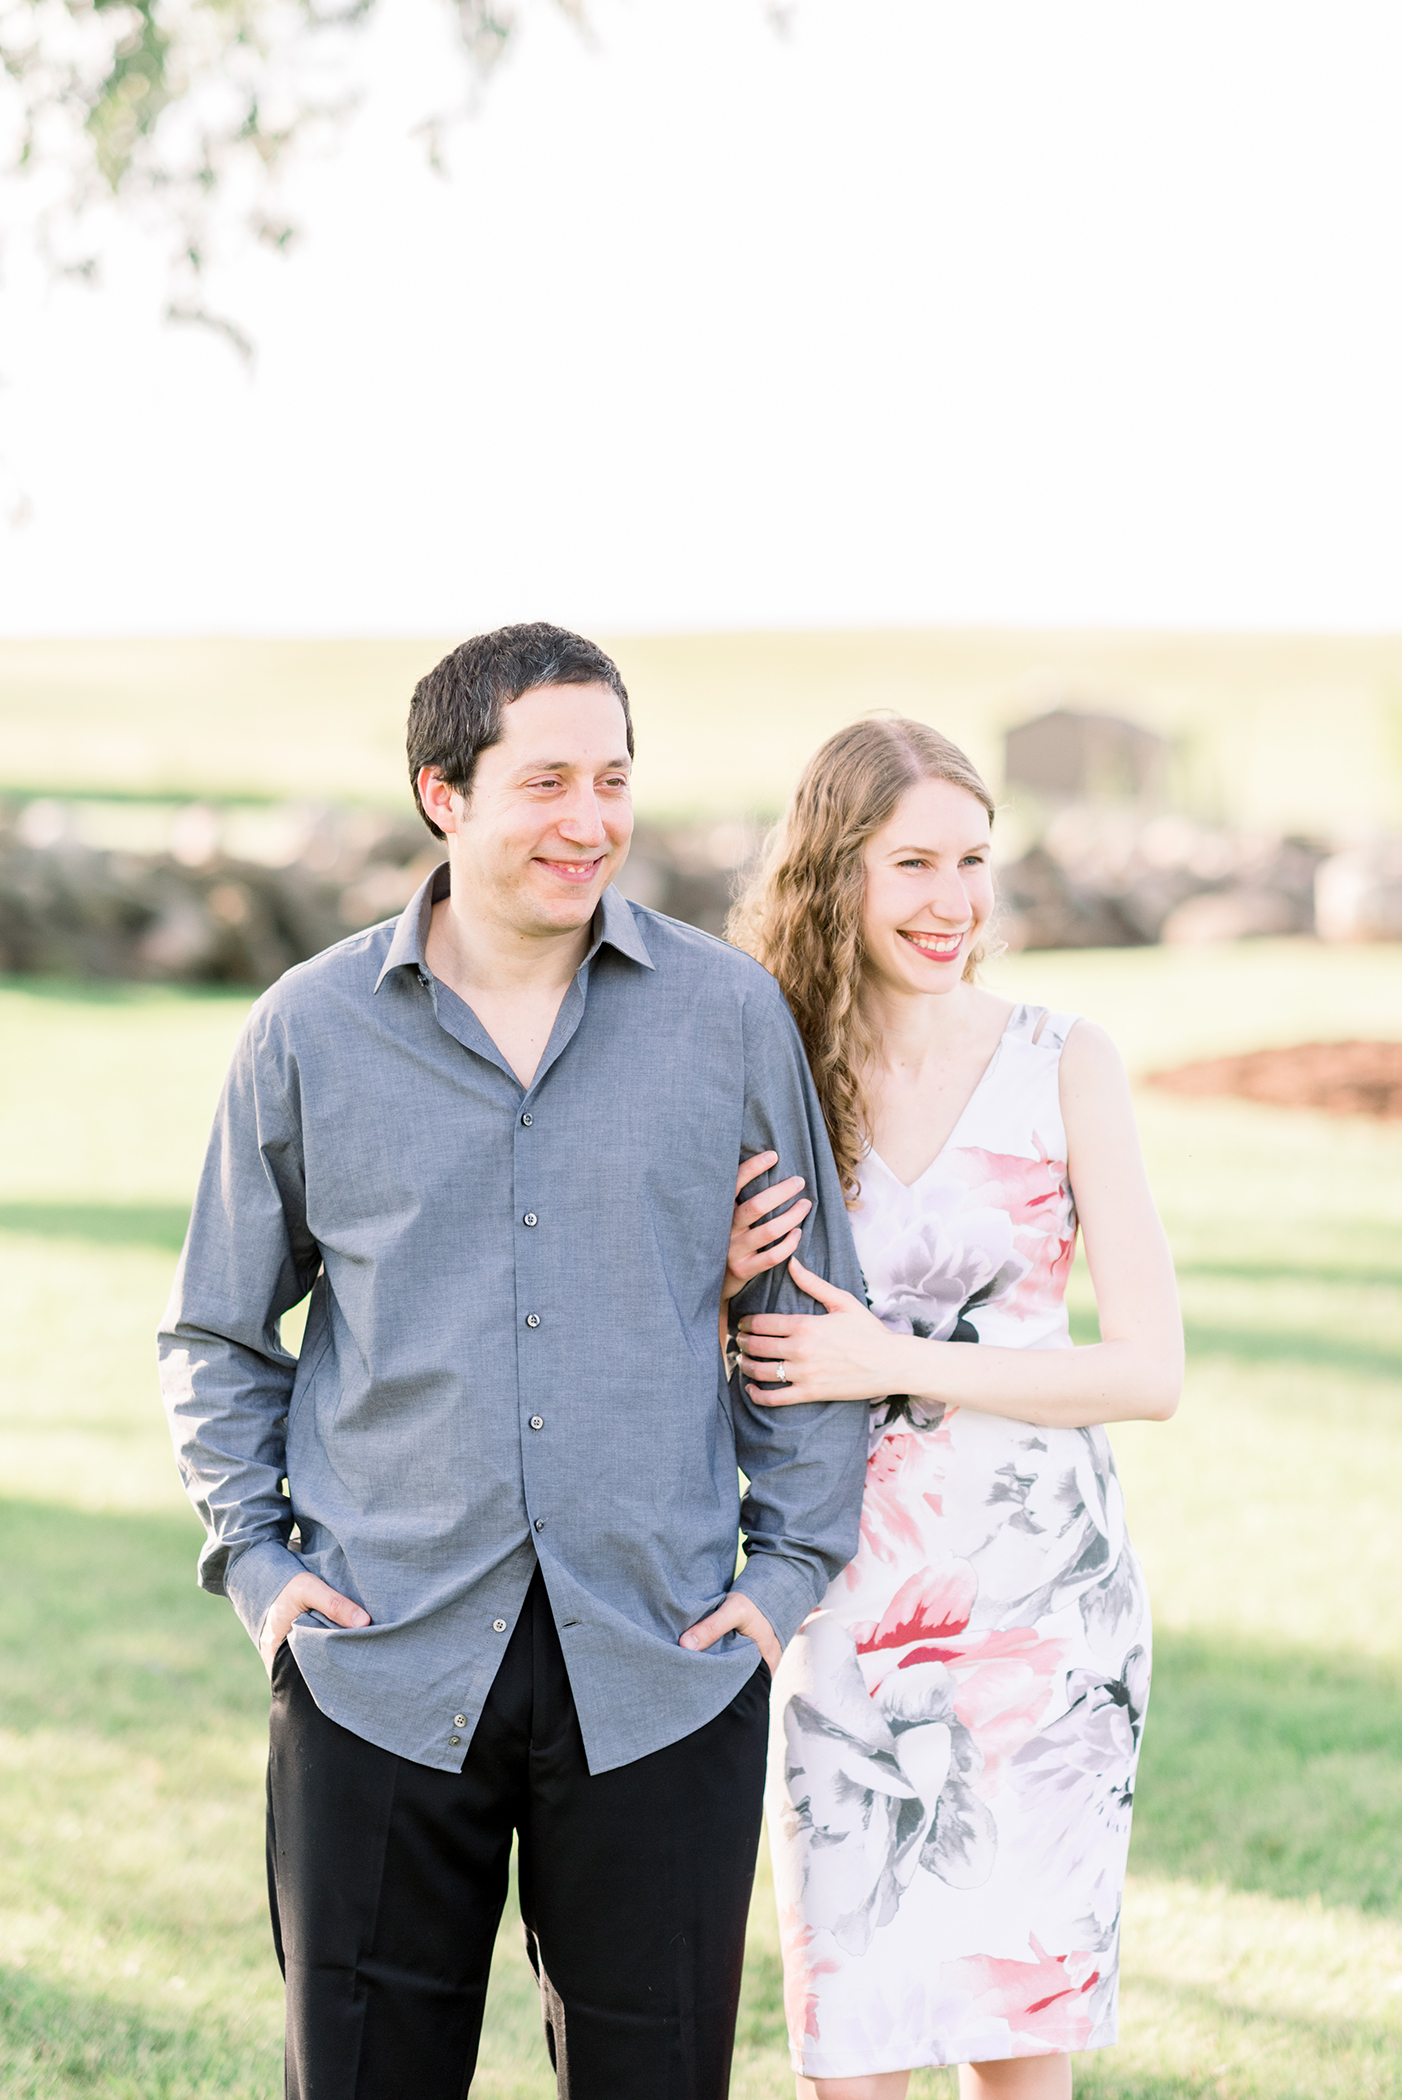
<point x="913" y="1031"/>
<point x="930" y="1051"/>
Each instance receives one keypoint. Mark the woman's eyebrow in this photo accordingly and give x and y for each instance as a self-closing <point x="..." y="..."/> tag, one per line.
<point x="978" y="846"/>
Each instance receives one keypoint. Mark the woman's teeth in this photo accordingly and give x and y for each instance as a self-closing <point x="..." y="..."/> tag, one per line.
<point x="936" y="949"/>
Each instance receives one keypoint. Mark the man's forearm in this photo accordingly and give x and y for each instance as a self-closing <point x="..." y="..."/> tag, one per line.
<point x="227" y="1408"/>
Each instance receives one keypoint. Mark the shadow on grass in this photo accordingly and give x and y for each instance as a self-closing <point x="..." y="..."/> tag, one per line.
<point x="55" y="2042"/>
<point x="1246" y="1344"/>
<point x="1310" y="1273"/>
<point x="1275" y="1770"/>
<point x="1278" y="1770"/>
<point x="160" y="1225"/>
<point x="105" y="1629"/>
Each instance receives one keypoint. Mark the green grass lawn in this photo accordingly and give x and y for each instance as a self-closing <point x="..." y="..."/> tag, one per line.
<point x="1263" y="1923"/>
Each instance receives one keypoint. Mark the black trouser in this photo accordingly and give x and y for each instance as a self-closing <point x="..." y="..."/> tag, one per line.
<point x="387" y="1881"/>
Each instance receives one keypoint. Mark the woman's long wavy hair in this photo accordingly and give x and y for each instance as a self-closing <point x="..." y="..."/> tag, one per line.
<point x="801" y="914"/>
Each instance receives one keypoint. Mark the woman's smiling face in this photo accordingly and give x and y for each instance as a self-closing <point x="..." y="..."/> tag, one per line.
<point x="929" y="888"/>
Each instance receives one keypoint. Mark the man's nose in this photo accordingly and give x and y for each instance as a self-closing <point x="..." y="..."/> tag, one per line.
<point x="582" y="820"/>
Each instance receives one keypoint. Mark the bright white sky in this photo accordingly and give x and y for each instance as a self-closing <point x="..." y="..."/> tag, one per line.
<point x="997" y="312"/>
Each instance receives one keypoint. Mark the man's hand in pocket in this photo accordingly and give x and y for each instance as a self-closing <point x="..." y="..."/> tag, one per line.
<point x="304" y="1593"/>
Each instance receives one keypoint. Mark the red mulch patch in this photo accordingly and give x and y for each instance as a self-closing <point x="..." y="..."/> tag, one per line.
<point x="1345" y="1079"/>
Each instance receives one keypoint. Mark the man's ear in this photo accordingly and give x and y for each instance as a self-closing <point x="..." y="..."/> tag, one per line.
<point x="438" y="798"/>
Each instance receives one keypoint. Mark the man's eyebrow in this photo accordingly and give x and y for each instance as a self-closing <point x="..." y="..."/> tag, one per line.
<point x="570" y="765"/>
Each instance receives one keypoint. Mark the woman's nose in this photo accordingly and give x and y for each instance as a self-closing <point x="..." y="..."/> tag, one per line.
<point x="948" y="900"/>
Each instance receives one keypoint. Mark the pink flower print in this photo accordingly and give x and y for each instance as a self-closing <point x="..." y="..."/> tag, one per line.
<point x="1003" y="1681"/>
<point x="1028" y="1191"/>
<point x="1035" y="1197"/>
<point x="1046" y="2000"/>
<point x="1044" y="1286"/>
<point x="802" y="1971"/>
<point x="888" y="1524"/>
<point x="886" y="1460"/>
<point x="931" y="1605"/>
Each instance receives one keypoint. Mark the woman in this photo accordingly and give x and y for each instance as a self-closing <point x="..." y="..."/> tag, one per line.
<point x="956" y="1729"/>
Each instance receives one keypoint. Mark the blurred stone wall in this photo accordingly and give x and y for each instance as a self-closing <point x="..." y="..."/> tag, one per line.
<point x="236" y="895"/>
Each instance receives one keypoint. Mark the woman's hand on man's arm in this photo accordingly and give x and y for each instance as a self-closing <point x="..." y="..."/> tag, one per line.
<point x="758" y="1240"/>
<point x="1135" y="1371"/>
<point x="847" y="1355"/>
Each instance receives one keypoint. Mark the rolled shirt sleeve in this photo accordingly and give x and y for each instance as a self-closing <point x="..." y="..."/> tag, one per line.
<point x="805" y="1464"/>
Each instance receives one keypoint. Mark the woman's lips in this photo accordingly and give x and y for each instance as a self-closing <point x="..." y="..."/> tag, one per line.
<point x="933" y="946"/>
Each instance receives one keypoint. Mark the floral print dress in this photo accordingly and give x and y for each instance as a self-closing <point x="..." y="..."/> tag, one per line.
<point x="956" y="1728"/>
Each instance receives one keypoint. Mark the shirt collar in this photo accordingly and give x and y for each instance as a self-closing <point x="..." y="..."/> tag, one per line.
<point x="613" y="922"/>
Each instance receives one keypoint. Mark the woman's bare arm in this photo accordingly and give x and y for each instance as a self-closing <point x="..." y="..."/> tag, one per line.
<point x="1135" y="1371"/>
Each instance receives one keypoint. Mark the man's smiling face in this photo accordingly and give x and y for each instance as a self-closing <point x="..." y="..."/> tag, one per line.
<point x="547" y="824"/>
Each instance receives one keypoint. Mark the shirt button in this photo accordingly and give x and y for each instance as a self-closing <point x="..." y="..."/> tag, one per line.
<point x="533" y="1319"/>
<point x="540" y="1523"/>
<point x="453" y="1741"/>
<point x="528" y="1119"/>
<point x="459" y="1720"/>
<point x="537" y="1421"/>
<point x="498" y="1626"/>
<point x="530" y="1218"/>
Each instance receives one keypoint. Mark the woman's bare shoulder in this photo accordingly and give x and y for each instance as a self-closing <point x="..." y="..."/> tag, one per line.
<point x="1094" y="1087"/>
<point x="1090" y="1048"/>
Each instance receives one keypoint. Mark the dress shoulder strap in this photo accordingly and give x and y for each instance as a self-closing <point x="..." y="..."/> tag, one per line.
<point x="1040" y="1027"/>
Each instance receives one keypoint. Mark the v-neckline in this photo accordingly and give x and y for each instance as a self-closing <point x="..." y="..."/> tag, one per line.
<point x="984" y="1076"/>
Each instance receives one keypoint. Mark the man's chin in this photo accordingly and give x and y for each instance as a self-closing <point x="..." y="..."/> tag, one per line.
<point x="562" y="908"/>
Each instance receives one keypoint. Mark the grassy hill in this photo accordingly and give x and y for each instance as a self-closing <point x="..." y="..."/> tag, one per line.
<point x="1289" y="732"/>
<point x="1263" y="1918"/>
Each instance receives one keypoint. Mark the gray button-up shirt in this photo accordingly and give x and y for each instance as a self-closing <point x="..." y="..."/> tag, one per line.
<point x="511" y="1354"/>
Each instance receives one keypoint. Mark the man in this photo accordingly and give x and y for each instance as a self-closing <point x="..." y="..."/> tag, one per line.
<point x="474" y="1526"/>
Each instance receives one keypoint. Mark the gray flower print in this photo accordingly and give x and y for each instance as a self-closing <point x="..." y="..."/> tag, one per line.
<point x="879" y="1787"/>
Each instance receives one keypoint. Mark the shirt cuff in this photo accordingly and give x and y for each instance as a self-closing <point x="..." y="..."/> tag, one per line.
<point x="259" y="1575"/>
<point x="783" y="1589"/>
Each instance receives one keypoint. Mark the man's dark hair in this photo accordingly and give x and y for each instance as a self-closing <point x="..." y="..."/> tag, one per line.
<point x="457" y="710"/>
